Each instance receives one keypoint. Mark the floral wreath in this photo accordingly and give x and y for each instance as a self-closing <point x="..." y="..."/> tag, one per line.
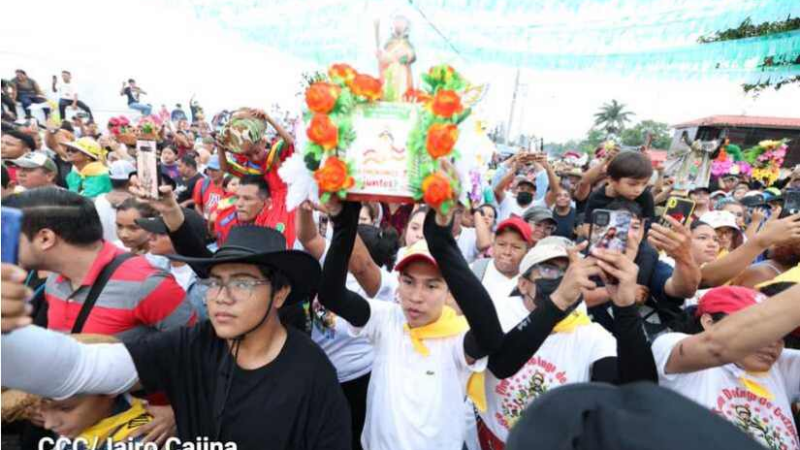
<point x="730" y="161"/>
<point x="331" y="100"/>
<point x="766" y="158"/>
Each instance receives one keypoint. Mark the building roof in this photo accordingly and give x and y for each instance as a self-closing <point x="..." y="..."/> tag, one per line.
<point x="743" y="121"/>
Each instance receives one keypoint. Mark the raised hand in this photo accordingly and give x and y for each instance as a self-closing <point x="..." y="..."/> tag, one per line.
<point x="675" y="241"/>
<point x="577" y="278"/>
<point x="15" y="310"/>
<point x="779" y="231"/>
<point x="617" y="265"/>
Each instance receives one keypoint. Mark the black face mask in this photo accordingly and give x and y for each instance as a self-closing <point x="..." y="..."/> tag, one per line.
<point x="545" y="288"/>
<point x="524" y="198"/>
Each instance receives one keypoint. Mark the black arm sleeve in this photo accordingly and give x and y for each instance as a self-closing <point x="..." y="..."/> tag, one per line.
<point x="332" y="291"/>
<point x="469" y="293"/>
<point x="635" y="360"/>
<point x="187" y="243"/>
<point x="604" y="370"/>
<point x="524" y="340"/>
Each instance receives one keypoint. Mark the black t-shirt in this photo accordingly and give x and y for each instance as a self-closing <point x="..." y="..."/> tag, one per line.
<point x="294" y="402"/>
<point x="565" y="224"/>
<point x="599" y="200"/>
<point x="186" y="187"/>
<point x="133" y="97"/>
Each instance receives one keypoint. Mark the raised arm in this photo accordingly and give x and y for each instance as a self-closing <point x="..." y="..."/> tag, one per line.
<point x="54" y="365"/>
<point x="553" y="181"/>
<point x="483" y="232"/>
<point x="485" y="335"/>
<point x="724" y="269"/>
<point x="724" y="343"/>
<point x="332" y="291"/>
<point x="504" y="177"/>
<point x="677" y="243"/>
<point x="588" y="180"/>
<point x="524" y="340"/>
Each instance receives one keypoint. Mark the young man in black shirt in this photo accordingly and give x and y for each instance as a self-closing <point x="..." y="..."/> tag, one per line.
<point x="240" y="377"/>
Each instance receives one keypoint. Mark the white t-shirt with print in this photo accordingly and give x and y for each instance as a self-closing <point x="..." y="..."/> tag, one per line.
<point x="351" y="356"/>
<point x="414" y="402"/>
<point x="498" y="285"/>
<point x="108" y="217"/>
<point x="719" y="389"/>
<point x="563" y="358"/>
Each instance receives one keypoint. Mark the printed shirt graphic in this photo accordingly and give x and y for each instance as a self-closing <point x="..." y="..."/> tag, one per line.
<point x="769" y="421"/>
<point x="564" y="358"/>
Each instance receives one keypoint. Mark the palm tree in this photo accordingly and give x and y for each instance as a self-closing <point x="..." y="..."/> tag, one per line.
<point x="612" y="117"/>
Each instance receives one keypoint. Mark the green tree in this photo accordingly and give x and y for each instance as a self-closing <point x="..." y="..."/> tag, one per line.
<point x="637" y="134"/>
<point x="612" y="117"/>
<point x="748" y="30"/>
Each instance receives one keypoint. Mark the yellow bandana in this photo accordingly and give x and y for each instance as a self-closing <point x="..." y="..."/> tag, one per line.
<point x="118" y="427"/>
<point x="574" y="320"/>
<point x="93" y="169"/>
<point x="449" y="324"/>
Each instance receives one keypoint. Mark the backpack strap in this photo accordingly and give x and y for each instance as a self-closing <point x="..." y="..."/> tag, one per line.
<point x="97" y="288"/>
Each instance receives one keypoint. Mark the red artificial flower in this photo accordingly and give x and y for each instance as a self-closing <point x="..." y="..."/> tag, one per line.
<point x="333" y="176"/>
<point x="342" y="72"/>
<point x="441" y="139"/>
<point x="436" y="189"/>
<point x="321" y="97"/>
<point x="367" y="87"/>
<point x="446" y="103"/>
<point x="323" y="132"/>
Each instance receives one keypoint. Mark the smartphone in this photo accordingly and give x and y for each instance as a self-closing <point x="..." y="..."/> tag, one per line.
<point x="147" y="168"/>
<point x="678" y="208"/>
<point x="791" y="203"/>
<point x="12" y="226"/>
<point x="609" y="230"/>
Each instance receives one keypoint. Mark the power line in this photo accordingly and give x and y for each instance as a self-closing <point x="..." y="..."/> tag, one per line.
<point x="436" y="29"/>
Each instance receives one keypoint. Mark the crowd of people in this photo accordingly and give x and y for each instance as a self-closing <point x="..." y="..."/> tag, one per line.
<point x="215" y="314"/>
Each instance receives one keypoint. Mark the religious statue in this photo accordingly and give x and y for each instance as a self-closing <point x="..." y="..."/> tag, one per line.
<point x="395" y="59"/>
<point x="691" y="162"/>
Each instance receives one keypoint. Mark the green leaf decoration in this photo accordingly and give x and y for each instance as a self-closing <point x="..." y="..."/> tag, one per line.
<point x="325" y="198"/>
<point x="342" y="194"/>
<point x="346" y="102"/>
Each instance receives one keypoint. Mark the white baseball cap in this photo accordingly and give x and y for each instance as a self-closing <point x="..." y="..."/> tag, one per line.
<point x="720" y="219"/>
<point x="548" y="248"/>
<point x="121" y="170"/>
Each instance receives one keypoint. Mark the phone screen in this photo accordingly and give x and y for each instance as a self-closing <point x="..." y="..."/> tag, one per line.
<point x="609" y="230"/>
<point x="791" y="203"/>
<point x="11" y="228"/>
<point x="678" y="208"/>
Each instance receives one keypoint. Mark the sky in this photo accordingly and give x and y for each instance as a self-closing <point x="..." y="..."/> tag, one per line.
<point x="175" y="52"/>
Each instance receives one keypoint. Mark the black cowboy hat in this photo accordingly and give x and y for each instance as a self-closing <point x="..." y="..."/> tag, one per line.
<point x="261" y="246"/>
<point x="641" y="416"/>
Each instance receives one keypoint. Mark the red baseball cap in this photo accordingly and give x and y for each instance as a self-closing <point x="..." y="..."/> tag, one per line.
<point x="518" y="225"/>
<point x="728" y="300"/>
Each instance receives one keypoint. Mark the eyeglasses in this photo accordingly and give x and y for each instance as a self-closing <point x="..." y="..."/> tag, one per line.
<point x="237" y="289"/>
<point x="544" y="226"/>
<point x="549" y="271"/>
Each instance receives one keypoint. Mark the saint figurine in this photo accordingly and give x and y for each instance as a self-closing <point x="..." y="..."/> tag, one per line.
<point x="395" y="59"/>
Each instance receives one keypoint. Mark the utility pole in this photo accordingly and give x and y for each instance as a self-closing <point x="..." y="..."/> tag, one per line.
<point x="513" y="105"/>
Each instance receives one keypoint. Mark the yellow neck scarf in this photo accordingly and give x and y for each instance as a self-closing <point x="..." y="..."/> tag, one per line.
<point x="118" y="427"/>
<point x="574" y="320"/>
<point x="93" y="169"/>
<point x="754" y="386"/>
<point x="449" y="324"/>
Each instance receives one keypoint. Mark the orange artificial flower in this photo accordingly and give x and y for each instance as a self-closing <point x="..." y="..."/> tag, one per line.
<point x="333" y="176"/>
<point x="323" y="132"/>
<point x="367" y="87"/>
<point x="321" y="97"/>
<point x="441" y="139"/>
<point x="436" y="189"/>
<point x="416" y="96"/>
<point x="343" y="72"/>
<point x="446" y="103"/>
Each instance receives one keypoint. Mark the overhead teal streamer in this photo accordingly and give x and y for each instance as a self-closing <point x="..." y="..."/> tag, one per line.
<point x="655" y="37"/>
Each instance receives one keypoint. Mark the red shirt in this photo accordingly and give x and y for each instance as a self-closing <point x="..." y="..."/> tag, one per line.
<point x="137" y="299"/>
<point x="276" y="216"/>
<point x="269" y="217"/>
<point x="206" y="194"/>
